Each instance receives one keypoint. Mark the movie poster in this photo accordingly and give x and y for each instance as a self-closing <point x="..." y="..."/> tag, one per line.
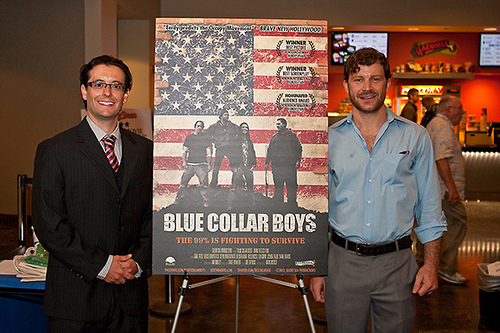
<point x="240" y="144"/>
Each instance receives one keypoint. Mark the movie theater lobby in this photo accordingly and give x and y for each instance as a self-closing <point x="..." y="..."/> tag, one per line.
<point x="270" y="307"/>
<point x="43" y="45"/>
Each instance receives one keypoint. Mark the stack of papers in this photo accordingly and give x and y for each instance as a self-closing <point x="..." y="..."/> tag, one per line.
<point x="7" y="267"/>
<point x="29" y="267"/>
<point x="28" y="272"/>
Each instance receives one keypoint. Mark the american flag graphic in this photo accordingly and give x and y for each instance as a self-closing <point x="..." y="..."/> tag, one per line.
<point x="258" y="72"/>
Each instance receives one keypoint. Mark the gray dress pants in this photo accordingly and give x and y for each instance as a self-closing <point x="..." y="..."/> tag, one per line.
<point x="358" y="287"/>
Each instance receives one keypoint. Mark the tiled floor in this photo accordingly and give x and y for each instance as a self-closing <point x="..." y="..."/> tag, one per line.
<point x="269" y="307"/>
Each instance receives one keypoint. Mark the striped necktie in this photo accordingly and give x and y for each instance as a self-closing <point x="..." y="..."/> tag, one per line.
<point x="109" y="145"/>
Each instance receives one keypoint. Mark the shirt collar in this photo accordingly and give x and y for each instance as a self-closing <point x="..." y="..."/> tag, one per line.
<point x="445" y="118"/>
<point x="390" y="117"/>
<point x="100" y="134"/>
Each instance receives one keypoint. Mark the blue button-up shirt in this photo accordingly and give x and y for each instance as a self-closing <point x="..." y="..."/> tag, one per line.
<point x="373" y="197"/>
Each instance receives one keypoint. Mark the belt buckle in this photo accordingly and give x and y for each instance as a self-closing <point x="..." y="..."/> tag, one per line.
<point x="358" y="248"/>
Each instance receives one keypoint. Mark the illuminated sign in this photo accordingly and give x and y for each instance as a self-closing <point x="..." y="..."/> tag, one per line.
<point x="442" y="47"/>
<point x="422" y="90"/>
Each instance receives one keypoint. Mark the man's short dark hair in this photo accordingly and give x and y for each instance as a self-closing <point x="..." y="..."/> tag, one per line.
<point x="108" y="61"/>
<point x="366" y="57"/>
<point x="412" y="91"/>
<point x="283" y="121"/>
<point x="199" y="121"/>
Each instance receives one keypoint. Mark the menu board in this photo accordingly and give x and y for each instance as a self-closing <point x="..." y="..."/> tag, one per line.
<point x="489" y="50"/>
<point x="346" y="43"/>
<point x="240" y="144"/>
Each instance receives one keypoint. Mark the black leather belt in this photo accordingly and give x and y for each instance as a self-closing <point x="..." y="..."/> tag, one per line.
<point x="363" y="249"/>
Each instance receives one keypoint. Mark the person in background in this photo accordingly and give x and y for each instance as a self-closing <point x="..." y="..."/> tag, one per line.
<point x="430" y="110"/>
<point x="410" y="109"/>
<point x="381" y="174"/>
<point x="92" y="212"/>
<point x="451" y="167"/>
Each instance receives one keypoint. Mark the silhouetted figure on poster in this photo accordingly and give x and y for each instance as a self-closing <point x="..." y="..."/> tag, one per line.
<point x="249" y="159"/>
<point x="196" y="158"/>
<point x="226" y="138"/>
<point x="284" y="155"/>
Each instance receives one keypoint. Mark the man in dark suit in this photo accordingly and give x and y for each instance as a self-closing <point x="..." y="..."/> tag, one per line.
<point x="92" y="212"/>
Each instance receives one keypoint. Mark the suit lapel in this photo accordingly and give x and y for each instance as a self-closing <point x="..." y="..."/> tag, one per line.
<point x="129" y="158"/>
<point x="91" y="148"/>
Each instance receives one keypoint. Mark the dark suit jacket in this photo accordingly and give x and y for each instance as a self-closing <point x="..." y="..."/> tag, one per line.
<point x="81" y="216"/>
<point x="410" y="111"/>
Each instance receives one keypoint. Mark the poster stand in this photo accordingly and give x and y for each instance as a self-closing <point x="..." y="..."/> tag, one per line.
<point x="168" y="308"/>
<point x="300" y="286"/>
<point x="185" y="287"/>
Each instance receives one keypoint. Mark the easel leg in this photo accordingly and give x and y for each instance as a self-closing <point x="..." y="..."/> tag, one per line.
<point x="184" y="288"/>
<point x="301" y="287"/>
<point x="168" y="307"/>
<point x="182" y="292"/>
<point x="303" y="290"/>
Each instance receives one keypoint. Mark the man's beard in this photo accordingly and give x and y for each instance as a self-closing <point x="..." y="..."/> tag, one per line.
<point x="355" y="102"/>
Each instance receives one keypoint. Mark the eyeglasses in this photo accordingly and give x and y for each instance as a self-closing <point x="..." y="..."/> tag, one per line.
<point x="99" y="85"/>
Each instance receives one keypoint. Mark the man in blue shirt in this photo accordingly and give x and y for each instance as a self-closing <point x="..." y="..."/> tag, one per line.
<point x="381" y="174"/>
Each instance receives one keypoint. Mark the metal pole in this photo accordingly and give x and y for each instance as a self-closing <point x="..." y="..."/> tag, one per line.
<point x="237" y="301"/>
<point x="21" y="209"/>
<point x="303" y="289"/>
<point x="169" y="289"/>
<point x="168" y="307"/>
<point x="182" y="292"/>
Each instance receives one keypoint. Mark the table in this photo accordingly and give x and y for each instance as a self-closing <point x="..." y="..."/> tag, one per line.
<point x="21" y="306"/>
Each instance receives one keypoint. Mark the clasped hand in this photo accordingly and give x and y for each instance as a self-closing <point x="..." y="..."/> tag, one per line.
<point x="122" y="269"/>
